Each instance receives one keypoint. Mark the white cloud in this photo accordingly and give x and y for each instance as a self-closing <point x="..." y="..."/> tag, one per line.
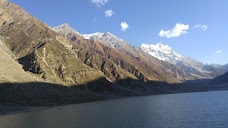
<point x="178" y="30"/>
<point x="203" y="27"/>
<point x="218" y="52"/>
<point x="124" y="26"/>
<point x="109" y="13"/>
<point x="99" y="3"/>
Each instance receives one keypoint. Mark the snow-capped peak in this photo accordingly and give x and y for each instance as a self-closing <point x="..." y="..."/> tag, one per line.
<point x="158" y="47"/>
<point x="107" y="38"/>
<point x="112" y="35"/>
<point x="161" y="51"/>
<point x="63" y="26"/>
<point x="89" y="36"/>
<point x="100" y="35"/>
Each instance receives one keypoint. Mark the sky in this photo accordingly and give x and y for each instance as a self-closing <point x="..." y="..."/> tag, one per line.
<point x="194" y="28"/>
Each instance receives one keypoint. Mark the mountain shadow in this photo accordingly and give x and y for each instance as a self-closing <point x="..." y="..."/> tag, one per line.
<point x="220" y="79"/>
<point x="132" y="87"/>
<point x="47" y="94"/>
<point x="44" y="94"/>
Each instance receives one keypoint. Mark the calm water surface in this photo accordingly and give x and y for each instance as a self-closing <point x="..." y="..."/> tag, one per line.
<point x="189" y="110"/>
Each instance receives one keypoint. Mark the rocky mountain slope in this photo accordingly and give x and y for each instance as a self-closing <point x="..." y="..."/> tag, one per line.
<point x="35" y="67"/>
<point x="10" y="70"/>
<point x="91" y="47"/>
<point x="199" y="69"/>
<point x="92" y="54"/>
<point x="37" y="48"/>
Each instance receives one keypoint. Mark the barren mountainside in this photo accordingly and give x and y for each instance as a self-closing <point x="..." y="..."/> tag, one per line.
<point x="125" y="56"/>
<point x="10" y="70"/>
<point x="36" y="47"/>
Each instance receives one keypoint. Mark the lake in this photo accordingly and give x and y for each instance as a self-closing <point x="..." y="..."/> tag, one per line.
<point x="185" y="110"/>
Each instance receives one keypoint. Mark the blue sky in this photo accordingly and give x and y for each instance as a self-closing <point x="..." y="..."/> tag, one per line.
<point x="194" y="28"/>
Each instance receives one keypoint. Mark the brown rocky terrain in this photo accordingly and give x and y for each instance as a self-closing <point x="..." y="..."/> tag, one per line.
<point x="99" y="54"/>
<point x="10" y="70"/>
<point x="35" y="46"/>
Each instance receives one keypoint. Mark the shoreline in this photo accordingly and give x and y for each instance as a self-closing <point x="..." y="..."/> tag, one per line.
<point x="11" y="110"/>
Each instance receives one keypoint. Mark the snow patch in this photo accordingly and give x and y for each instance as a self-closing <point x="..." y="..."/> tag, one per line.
<point x="162" y="52"/>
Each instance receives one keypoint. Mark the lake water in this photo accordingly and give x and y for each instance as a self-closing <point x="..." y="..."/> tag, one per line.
<point x="187" y="110"/>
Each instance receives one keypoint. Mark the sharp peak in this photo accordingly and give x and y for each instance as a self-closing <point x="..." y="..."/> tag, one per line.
<point x="66" y="27"/>
<point x="98" y="33"/>
<point x="110" y="34"/>
<point x="63" y="25"/>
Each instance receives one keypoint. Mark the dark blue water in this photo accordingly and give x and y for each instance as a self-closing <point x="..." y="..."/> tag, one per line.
<point x="189" y="110"/>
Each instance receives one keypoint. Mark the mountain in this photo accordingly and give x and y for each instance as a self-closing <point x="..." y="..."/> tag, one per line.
<point x="92" y="54"/>
<point x="220" y="79"/>
<point x="107" y="38"/>
<point x="36" y="68"/>
<point x="198" y="69"/>
<point x="90" y="47"/>
<point x="37" y="48"/>
<point x="162" y="52"/>
<point x="66" y="30"/>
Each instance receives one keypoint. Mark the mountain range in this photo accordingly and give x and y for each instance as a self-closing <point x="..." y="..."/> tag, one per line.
<point x="198" y="69"/>
<point x="41" y="65"/>
<point x="123" y="55"/>
<point x="159" y="51"/>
